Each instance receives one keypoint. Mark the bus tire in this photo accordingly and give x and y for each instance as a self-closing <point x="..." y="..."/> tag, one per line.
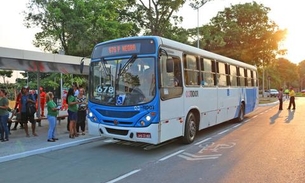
<point x="190" y="129"/>
<point x="241" y="114"/>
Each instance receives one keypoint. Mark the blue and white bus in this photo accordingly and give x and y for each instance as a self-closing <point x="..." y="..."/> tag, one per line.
<point x="151" y="89"/>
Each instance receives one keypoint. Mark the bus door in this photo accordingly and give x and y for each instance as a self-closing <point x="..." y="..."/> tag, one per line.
<point x="171" y="100"/>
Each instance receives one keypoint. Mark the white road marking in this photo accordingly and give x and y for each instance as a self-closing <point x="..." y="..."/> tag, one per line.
<point x="223" y="132"/>
<point x="171" y="155"/>
<point x="192" y="157"/>
<point x="124" y="176"/>
<point x="198" y="143"/>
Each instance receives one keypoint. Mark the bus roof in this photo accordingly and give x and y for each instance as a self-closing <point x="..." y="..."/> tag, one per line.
<point x="187" y="49"/>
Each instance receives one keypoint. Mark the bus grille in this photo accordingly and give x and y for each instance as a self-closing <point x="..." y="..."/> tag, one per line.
<point x="119" y="122"/>
<point x="117" y="132"/>
<point x="116" y="114"/>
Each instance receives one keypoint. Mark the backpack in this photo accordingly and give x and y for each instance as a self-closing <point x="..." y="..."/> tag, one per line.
<point x="30" y="107"/>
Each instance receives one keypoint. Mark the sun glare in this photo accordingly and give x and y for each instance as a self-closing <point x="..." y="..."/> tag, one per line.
<point x="294" y="43"/>
<point x="289" y="15"/>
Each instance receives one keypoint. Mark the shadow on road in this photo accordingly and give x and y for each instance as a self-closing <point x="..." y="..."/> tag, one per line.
<point x="290" y="116"/>
<point x="274" y="117"/>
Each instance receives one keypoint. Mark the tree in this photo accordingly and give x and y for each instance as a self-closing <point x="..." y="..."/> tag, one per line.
<point x="156" y="17"/>
<point x="196" y="5"/>
<point x="283" y="73"/>
<point x="6" y="73"/>
<point x="75" y="26"/>
<point x="244" y="32"/>
<point x="301" y="71"/>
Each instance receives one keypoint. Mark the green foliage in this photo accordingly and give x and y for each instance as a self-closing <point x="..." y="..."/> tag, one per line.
<point x="75" y="26"/>
<point x="10" y="88"/>
<point x="5" y="74"/>
<point x="282" y="73"/>
<point x="301" y="72"/>
<point x="51" y="81"/>
<point x="155" y="16"/>
<point x="244" y="32"/>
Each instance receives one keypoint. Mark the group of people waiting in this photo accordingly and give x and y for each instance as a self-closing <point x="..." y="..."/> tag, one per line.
<point x="22" y="100"/>
<point x="76" y="101"/>
<point x="77" y="108"/>
<point x="288" y="94"/>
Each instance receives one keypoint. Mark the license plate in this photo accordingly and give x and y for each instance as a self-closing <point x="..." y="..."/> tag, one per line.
<point x="143" y="135"/>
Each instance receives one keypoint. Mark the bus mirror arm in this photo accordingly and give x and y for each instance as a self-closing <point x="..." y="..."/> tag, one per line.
<point x="162" y="51"/>
<point x="81" y="67"/>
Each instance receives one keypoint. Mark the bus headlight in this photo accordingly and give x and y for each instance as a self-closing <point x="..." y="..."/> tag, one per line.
<point x="145" y="120"/>
<point x="148" y="118"/>
<point x="92" y="117"/>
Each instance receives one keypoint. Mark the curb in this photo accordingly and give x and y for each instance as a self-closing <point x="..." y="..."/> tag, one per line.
<point x="48" y="149"/>
<point x="268" y="104"/>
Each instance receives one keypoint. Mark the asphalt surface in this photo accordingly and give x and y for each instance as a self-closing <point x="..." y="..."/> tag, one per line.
<point x="20" y="146"/>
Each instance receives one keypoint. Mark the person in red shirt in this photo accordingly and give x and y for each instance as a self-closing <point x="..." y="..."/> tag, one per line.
<point x="42" y="100"/>
<point x="17" y="112"/>
<point x="64" y="103"/>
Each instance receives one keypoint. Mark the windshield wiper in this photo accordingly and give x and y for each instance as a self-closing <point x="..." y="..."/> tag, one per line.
<point x="130" y="61"/>
<point x="104" y="62"/>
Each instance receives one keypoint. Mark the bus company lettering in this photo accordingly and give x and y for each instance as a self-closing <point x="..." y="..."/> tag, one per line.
<point x="148" y="107"/>
<point x="191" y="94"/>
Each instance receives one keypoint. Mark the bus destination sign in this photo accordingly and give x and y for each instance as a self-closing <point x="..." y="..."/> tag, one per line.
<point x="145" y="46"/>
<point x="121" y="49"/>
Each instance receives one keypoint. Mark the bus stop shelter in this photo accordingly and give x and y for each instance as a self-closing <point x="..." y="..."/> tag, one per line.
<point x="40" y="62"/>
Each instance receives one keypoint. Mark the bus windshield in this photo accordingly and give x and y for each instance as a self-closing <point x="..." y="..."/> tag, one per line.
<point x="122" y="82"/>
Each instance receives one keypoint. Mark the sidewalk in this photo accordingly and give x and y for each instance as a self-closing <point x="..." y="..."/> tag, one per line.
<point x="20" y="146"/>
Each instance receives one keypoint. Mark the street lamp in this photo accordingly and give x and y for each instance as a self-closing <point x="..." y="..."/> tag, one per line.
<point x="269" y="82"/>
<point x="196" y="6"/>
<point x="27" y="78"/>
<point x="263" y="92"/>
<point x="61" y="52"/>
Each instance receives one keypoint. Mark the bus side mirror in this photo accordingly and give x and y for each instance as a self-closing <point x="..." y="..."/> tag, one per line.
<point x="169" y="65"/>
<point x="81" y="67"/>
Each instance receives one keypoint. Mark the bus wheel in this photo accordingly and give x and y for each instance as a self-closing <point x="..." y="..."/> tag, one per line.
<point x="241" y="114"/>
<point x="190" y="129"/>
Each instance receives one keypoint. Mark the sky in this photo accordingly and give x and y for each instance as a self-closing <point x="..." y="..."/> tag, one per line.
<point x="286" y="14"/>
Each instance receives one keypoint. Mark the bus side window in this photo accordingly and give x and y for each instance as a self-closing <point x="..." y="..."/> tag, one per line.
<point x="191" y="70"/>
<point x="207" y="78"/>
<point x="171" y="79"/>
<point x="177" y="73"/>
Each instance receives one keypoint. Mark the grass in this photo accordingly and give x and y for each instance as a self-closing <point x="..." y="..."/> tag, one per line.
<point x="266" y="100"/>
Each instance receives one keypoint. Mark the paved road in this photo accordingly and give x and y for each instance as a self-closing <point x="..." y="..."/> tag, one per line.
<point x="267" y="147"/>
<point x="19" y="146"/>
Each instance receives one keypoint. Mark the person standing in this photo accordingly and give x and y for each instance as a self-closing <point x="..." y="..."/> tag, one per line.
<point x="18" y="118"/>
<point x="82" y="111"/>
<point x="51" y="116"/>
<point x="76" y="92"/>
<point x="291" y="99"/>
<point x="286" y="93"/>
<point x="75" y="88"/>
<point x="72" y="112"/>
<point x="42" y="100"/>
<point x="280" y="97"/>
<point x="25" y="117"/>
<point x="64" y="103"/>
<point x="4" y="114"/>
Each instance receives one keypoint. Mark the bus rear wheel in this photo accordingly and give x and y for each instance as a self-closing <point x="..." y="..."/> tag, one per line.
<point x="190" y="129"/>
<point x="241" y="114"/>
